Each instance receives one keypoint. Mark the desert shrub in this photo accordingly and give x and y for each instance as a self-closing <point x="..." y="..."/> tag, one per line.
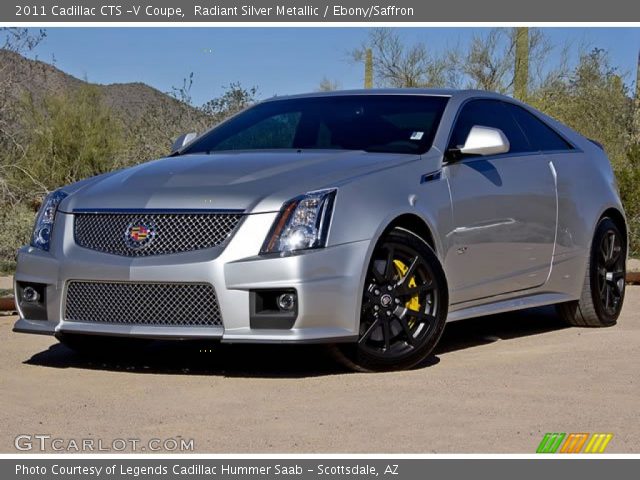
<point x="17" y="223"/>
<point x="629" y="183"/>
<point x="71" y="136"/>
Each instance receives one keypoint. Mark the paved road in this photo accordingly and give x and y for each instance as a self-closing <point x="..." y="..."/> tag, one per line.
<point x="496" y="384"/>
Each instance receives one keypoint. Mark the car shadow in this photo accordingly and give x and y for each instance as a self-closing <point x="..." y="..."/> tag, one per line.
<point x="288" y="361"/>
<point x="478" y="331"/>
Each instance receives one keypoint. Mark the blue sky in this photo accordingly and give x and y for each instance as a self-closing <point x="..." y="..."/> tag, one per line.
<point x="277" y="60"/>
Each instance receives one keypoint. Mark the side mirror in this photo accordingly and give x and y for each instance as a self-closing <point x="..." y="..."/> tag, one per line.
<point x="182" y="140"/>
<point x="484" y="141"/>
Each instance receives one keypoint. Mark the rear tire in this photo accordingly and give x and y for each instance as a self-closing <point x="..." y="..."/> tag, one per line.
<point x="602" y="294"/>
<point x="101" y="346"/>
<point x="404" y="307"/>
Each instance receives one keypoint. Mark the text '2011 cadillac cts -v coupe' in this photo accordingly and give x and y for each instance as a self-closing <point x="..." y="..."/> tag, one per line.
<point x="363" y="219"/>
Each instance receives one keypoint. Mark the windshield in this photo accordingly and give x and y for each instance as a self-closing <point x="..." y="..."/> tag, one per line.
<point x="373" y="123"/>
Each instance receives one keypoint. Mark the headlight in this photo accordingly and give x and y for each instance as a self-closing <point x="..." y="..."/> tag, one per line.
<point x="303" y="223"/>
<point x="44" y="221"/>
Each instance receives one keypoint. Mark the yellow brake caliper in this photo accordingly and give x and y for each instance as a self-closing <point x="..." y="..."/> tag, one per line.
<point x="414" y="302"/>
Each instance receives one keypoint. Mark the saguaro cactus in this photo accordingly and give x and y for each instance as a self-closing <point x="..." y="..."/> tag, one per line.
<point x="368" y="69"/>
<point x="636" y="106"/>
<point x="521" y="71"/>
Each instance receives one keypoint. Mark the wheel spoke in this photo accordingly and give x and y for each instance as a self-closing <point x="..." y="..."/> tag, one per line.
<point x="615" y="256"/>
<point x="389" y="266"/>
<point x="603" y="286"/>
<point x="420" y="317"/>
<point x="377" y="276"/>
<point x="407" y="331"/>
<point x="386" y="333"/>
<point x="406" y="291"/>
<point x="410" y="271"/>
<point x="603" y="250"/>
<point x="612" y="248"/>
<point x="369" y="331"/>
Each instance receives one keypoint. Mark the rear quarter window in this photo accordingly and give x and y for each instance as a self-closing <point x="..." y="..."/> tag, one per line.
<point x="541" y="136"/>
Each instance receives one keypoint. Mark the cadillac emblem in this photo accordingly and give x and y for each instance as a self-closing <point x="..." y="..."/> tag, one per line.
<point x="139" y="234"/>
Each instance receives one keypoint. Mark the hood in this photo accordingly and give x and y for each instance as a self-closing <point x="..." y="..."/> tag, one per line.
<point x="253" y="181"/>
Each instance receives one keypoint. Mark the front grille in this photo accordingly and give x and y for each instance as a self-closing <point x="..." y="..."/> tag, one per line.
<point x="171" y="232"/>
<point x="159" y="304"/>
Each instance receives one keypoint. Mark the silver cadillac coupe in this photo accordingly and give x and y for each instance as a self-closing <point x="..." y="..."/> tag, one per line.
<point x="360" y="219"/>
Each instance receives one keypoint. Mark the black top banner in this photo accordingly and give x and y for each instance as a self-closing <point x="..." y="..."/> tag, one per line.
<point x="318" y="11"/>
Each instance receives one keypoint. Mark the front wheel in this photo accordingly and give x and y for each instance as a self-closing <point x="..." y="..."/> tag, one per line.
<point x="602" y="294"/>
<point x="404" y="306"/>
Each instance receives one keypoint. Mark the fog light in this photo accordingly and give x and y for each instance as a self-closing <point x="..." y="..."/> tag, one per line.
<point x="30" y="295"/>
<point x="287" y="302"/>
<point x="273" y="309"/>
<point x="32" y="300"/>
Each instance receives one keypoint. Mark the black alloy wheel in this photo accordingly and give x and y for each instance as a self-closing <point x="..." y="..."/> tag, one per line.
<point x="602" y="293"/>
<point x="610" y="273"/>
<point x="404" y="306"/>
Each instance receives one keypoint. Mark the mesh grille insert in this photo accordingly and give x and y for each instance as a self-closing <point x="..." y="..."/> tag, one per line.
<point x="164" y="233"/>
<point x="160" y="304"/>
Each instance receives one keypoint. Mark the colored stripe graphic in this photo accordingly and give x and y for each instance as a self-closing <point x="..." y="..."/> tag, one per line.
<point x="550" y="442"/>
<point x="574" y="442"/>
<point x="598" y="443"/>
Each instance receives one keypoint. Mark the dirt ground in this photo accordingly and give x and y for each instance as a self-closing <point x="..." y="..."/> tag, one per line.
<point x="496" y="384"/>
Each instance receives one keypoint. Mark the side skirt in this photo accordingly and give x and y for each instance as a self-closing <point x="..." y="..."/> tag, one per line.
<point x="507" y="305"/>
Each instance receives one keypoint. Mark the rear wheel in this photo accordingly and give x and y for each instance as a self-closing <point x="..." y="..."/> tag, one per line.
<point x="404" y="306"/>
<point x="101" y="346"/>
<point x="603" y="290"/>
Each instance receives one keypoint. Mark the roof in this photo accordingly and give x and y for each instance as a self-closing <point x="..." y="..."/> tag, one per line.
<point x="441" y="92"/>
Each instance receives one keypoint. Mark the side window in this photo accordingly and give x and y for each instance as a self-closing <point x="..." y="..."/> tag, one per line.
<point x="488" y="113"/>
<point x="540" y="135"/>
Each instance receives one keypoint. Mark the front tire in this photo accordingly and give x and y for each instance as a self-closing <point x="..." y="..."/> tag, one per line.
<point x="602" y="294"/>
<point x="404" y="306"/>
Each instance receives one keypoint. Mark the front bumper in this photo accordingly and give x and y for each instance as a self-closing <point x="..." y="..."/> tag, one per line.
<point x="327" y="281"/>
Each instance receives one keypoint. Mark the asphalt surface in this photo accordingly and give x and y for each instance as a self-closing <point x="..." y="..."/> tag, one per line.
<point x="495" y="384"/>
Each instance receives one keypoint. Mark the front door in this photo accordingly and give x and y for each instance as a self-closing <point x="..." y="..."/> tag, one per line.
<point x="504" y="211"/>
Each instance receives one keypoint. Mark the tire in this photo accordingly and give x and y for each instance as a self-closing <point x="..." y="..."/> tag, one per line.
<point x="404" y="307"/>
<point x="602" y="294"/>
<point x="101" y="346"/>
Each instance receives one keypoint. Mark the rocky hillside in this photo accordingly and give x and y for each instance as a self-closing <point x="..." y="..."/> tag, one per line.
<point x="128" y="100"/>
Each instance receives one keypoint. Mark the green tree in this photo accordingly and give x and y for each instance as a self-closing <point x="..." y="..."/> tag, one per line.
<point x="154" y="132"/>
<point x="629" y="184"/>
<point x="594" y="100"/>
<point x="233" y="100"/>
<point x="71" y="136"/>
<point x="498" y="59"/>
<point x="14" y="42"/>
<point x="396" y="64"/>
